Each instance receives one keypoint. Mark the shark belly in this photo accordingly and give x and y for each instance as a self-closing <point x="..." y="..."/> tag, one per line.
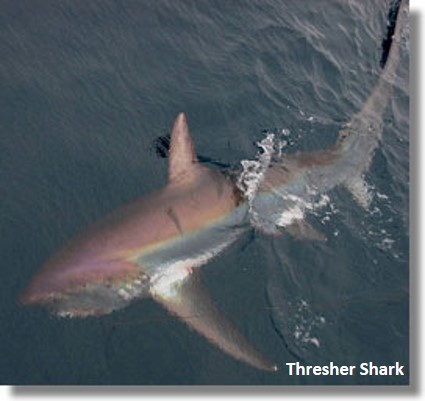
<point x="169" y="262"/>
<point x="179" y="256"/>
<point x="153" y="246"/>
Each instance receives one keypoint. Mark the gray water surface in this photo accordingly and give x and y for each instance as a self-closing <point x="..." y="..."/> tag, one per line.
<point x="85" y="90"/>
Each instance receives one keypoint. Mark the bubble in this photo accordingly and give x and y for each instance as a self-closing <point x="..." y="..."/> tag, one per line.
<point x="253" y="172"/>
<point x="307" y="323"/>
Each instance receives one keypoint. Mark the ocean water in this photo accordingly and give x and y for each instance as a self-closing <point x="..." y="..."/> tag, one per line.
<point x="87" y="88"/>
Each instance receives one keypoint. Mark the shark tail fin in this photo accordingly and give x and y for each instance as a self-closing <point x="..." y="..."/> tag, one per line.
<point x="379" y="98"/>
<point x="187" y="300"/>
<point x="390" y="52"/>
<point x="366" y="126"/>
<point x="359" y="138"/>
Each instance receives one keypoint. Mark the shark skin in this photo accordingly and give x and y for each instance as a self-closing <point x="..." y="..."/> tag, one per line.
<point x="292" y="182"/>
<point x="152" y="247"/>
<point x="110" y="249"/>
<point x="155" y="245"/>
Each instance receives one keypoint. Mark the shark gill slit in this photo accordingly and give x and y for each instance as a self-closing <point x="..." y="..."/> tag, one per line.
<point x="175" y="219"/>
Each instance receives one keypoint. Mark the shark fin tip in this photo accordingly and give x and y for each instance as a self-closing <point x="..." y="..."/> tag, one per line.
<point x="183" y="160"/>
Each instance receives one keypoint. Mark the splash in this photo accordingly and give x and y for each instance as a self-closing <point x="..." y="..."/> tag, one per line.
<point x="278" y="208"/>
<point x="253" y="172"/>
<point x="306" y="324"/>
<point x="301" y="328"/>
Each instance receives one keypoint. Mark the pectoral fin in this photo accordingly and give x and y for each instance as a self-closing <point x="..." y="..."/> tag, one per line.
<point x="187" y="300"/>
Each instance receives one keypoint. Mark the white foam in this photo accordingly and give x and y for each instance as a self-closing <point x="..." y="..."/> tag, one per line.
<point x="252" y="175"/>
<point x="289" y="216"/>
<point x="253" y="172"/>
<point x="307" y="323"/>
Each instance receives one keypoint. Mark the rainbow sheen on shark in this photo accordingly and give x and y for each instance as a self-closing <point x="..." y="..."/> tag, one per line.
<point x="155" y="245"/>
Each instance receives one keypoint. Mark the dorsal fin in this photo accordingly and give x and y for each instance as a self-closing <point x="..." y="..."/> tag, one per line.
<point x="183" y="161"/>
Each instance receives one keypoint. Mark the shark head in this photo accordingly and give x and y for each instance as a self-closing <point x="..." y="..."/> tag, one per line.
<point x="100" y="260"/>
<point x="153" y="247"/>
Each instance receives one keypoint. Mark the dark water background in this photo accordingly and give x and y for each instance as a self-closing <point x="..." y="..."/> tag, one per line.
<point x="87" y="87"/>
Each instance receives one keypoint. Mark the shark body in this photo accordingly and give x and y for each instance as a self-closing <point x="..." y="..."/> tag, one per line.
<point x="154" y="246"/>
